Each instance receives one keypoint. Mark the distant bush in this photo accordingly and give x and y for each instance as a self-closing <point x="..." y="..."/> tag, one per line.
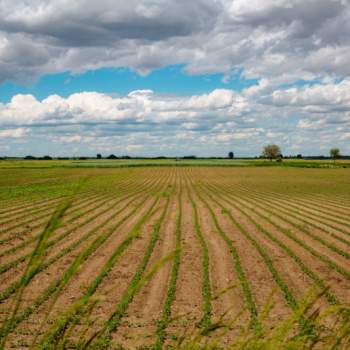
<point x="46" y="158"/>
<point x="112" y="156"/>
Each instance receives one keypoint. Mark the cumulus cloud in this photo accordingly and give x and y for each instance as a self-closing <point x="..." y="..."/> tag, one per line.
<point x="141" y="106"/>
<point x="15" y="133"/>
<point x="281" y="39"/>
<point x="146" y="123"/>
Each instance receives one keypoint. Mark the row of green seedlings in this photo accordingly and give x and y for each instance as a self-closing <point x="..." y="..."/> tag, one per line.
<point x="28" y="241"/>
<point x="37" y="257"/>
<point x="32" y="192"/>
<point x="164" y="321"/>
<point x="239" y="271"/>
<point x="323" y="207"/>
<point x="87" y="197"/>
<point x="39" y="220"/>
<point x="291" y="301"/>
<point x="97" y="204"/>
<point x="306" y="326"/>
<point x="75" y="245"/>
<point x="278" y="279"/>
<point x="130" y="198"/>
<point x="301" y="228"/>
<point x="318" y="282"/>
<point x="9" y="215"/>
<point x="85" y="201"/>
<point x="295" y="214"/>
<point x="286" y="334"/>
<point x="56" y="286"/>
<point x="284" y="231"/>
<point x="37" y="209"/>
<point x="289" y="212"/>
<point x="336" y="200"/>
<point x="25" y="243"/>
<point x="55" y="338"/>
<point x="102" y="337"/>
<point x="31" y="209"/>
<point x="25" y="204"/>
<point x="238" y="205"/>
<point x="306" y="212"/>
<point x="206" y="288"/>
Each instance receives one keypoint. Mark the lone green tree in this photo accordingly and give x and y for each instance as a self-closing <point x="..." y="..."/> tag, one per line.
<point x="231" y="155"/>
<point x="334" y="153"/>
<point x="271" y="151"/>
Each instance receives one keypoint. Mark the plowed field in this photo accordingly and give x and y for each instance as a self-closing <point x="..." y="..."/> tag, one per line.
<point x="140" y="257"/>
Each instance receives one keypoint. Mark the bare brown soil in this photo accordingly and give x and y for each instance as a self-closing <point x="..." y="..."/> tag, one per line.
<point x="249" y="204"/>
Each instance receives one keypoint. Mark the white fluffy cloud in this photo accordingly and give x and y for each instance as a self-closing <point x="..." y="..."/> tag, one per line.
<point x="279" y="42"/>
<point x="284" y="39"/>
<point x="141" y="106"/>
<point x="16" y="133"/>
<point x="301" y="119"/>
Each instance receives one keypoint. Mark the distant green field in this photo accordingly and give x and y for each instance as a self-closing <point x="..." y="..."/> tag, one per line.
<point x="105" y="163"/>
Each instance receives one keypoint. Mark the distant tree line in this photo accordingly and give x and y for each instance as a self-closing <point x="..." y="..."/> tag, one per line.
<point x="270" y="152"/>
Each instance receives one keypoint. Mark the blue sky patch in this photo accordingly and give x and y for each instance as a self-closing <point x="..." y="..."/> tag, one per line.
<point x="121" y="81"/>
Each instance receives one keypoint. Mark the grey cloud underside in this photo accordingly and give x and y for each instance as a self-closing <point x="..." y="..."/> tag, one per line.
<point x="266" y="38"/>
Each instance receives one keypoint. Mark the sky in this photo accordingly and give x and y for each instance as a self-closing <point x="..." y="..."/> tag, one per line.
<point x="174" y="78"/>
